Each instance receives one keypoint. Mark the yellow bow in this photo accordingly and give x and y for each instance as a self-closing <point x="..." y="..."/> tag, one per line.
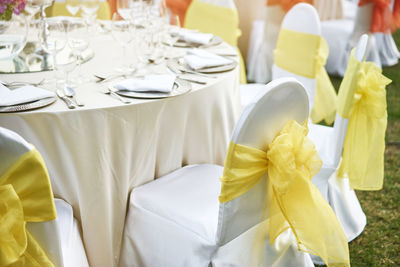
<point x="294" y="201"/>
<point x="25" y="196"/>
<point x="305" y="55"/>
<point x="362" y="98"/>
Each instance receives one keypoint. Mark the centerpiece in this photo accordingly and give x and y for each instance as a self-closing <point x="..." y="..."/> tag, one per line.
<point x="13" y="28"/>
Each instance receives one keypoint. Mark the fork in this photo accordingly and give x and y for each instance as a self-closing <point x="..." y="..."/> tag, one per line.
<point x="16" y="84"/>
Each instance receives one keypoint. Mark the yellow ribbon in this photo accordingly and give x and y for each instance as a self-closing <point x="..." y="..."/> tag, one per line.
<point x="362" y="98"/>
<point x="291" y="161"/>
<point x="305" y="55"/>
<point x="25" y="196"/>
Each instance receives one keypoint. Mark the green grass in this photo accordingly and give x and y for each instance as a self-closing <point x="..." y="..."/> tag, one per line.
<point x="379" y="244"/>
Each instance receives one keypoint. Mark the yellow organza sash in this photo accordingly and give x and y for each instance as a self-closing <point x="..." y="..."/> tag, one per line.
<point x="305" y="55"/>
<point x="363" y="100"/>
<point x="218" y="20"/>
<point x="25" y="196"/>
<point x="291" y="161"/>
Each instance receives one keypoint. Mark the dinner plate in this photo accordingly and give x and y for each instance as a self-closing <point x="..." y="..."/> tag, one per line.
<point x="216" y="40"/>
<point x="29" y="106"/>
<point x="177" y="63"/>
<point x="180" y="87"/>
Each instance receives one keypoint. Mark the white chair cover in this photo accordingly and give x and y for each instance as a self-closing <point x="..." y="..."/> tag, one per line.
<point x="329" y="9"/>
<point x="301" y="18"/>
<point x="337" y="192"/>
<point x="176" y="220"/>
<point x="59" y="238"/>
<point x="342" y="36"/>
<point x="262" y="44"/>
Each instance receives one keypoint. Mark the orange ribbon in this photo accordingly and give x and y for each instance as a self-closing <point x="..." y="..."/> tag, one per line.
<point x="381" y="17"/>
<point x="179" y="7"/>
<point x="287" y="4"/>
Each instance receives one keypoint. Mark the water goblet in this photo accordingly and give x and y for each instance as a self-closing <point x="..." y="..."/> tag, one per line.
<point x="123" y="32"/>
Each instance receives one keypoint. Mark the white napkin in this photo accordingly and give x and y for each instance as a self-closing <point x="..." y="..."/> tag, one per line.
<point x="151" y="83"/>
<point x="195" y="37"/>
<point x="200" y="59"/>
<point x="22" y="95"/>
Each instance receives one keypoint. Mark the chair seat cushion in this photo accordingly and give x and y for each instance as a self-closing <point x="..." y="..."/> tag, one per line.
<point x="187" y="197"/>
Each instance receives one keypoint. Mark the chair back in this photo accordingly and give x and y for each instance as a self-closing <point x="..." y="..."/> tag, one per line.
<point x="219" y="17"/>
<point x="301" y="18"/>
<point x="329" y="9"/>
<point x="340" y="125"/>
<point x="278" y="102"/>
<point x="12" y="147"/>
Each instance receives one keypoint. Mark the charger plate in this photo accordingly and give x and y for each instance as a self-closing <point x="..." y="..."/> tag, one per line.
<point x="179" y="64"/>
<point x="28" y="106"/>
<point x="180" y="87"/>
<point x="216" y="40"/>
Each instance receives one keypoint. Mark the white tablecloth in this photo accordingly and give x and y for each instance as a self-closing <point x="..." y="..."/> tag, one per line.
<point x="97" y="154"/>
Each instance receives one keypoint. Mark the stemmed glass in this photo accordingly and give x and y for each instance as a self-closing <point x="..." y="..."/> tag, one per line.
<point x="73" y="6"/>
<point x="55" y="39"/>
<point x="123" y="33"/>
<point x="78" y="42"/>
<point x="89" y="10"/>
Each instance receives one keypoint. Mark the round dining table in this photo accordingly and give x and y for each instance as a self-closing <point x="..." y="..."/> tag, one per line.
<point x="98" y="153"/>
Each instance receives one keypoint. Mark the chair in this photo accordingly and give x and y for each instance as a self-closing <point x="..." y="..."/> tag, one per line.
<point x="59" y="9"/>
<point x="60" y="238"/>
<point x="330" y="9"/>
<point x="342" y="35"/>
<point x="264" y="38"/>
<point x="219" y="17"/>
<point x="300" y="53"/>
<point x="178" y="216"/>
<point x="329" y="143"/>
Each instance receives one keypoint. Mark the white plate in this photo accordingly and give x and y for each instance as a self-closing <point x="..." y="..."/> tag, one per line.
<point x="180" y="87"/>
<point x="28" y="106"/>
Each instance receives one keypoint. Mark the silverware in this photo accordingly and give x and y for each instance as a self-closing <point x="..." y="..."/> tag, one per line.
<point x="181" y="67"/>
<point x="66" y="100"/>
<point x="104" y="78"/>
<point x="191" y="80"/>
<point x="18" y="84"/>
<point x="111" y="91"/>
<point x="70" y="92"/>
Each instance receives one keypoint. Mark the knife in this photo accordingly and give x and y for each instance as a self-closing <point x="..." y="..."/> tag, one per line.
<point x="66" y="100"/>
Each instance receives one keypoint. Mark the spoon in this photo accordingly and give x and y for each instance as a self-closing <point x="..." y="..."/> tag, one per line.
<point x="70" y="92"/>
<point x="110" y="91"/>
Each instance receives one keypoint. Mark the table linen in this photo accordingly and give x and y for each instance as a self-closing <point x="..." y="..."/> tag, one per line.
<point x="97" y="154"/>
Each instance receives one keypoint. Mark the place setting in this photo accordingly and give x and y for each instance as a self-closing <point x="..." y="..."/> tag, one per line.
<point x="153" y="86"/>
<point x="24" y="98"/>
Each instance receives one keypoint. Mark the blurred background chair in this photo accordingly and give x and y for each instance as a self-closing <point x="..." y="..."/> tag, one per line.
<point x="220" y="18"/>
<point x="59" y="9"/>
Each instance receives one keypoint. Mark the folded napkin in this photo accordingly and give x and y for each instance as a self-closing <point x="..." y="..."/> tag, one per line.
<point x="22" y="95"/>
<point x="151" y="83"/>
<point x="200" y="59"/>
<point x="195" y="37"/>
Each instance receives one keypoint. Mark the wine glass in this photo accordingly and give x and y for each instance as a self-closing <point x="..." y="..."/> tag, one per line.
<point x="78" y="42"/>
<point x="55" y="39"/>
<point x="73" y="6"/>
<point x="123" y="33"/>
<point x="89" y="10"/>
